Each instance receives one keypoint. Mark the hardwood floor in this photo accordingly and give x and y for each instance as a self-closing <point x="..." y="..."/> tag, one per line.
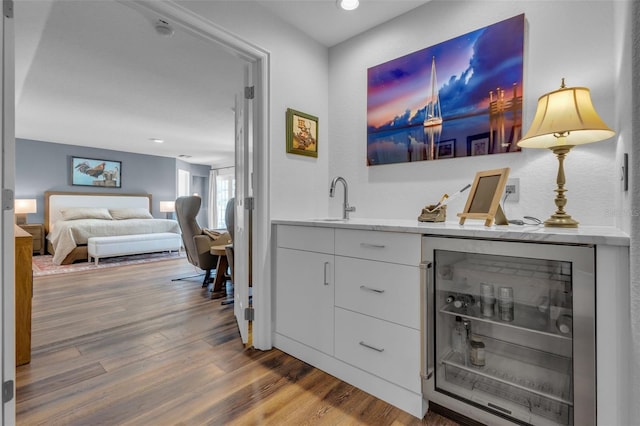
<point x="128" y="346"/>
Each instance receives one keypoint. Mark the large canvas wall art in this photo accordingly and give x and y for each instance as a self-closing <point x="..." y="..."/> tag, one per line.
<point x="459" y="98"/>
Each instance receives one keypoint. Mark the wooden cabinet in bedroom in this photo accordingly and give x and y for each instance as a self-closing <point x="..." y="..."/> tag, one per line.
<point x="37" y="232"/>
<point x="23" y="294"/>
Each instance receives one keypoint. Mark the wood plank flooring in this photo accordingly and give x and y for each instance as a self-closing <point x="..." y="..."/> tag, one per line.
<point x="127" y="346"/>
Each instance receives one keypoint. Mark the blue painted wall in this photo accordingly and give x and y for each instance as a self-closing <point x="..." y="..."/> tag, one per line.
<point x="45" y="166"/>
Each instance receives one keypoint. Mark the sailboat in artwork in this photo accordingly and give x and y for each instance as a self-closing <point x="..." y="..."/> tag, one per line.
<point x="433" y="115"/>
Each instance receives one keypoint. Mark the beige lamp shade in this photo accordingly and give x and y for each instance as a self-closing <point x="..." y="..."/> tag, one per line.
<point x="24" y="206"/>
<point x="566" y="112"/>
<point x="167" y="206"/>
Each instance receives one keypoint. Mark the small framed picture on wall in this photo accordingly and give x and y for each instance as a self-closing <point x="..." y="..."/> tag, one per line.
<point x="302" y="133"/>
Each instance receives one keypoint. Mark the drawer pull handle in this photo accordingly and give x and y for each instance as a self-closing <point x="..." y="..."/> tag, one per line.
<point x="375" y="290"/>
<point x="325" y="273"/>
<point x="371" y="347"/>
<point x="368" y="245"/>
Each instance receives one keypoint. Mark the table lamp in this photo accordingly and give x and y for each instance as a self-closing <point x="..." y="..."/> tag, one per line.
<point x="22" y="207"/>
<point x="564" y="118"/>
<point x="168" y="207"/>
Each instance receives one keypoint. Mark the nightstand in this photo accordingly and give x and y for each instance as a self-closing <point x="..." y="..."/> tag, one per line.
<point x="37" y="231"/>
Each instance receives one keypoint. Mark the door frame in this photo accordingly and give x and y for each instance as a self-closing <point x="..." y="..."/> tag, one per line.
<point x="260" y="60"/>
<point x="7" y="178"/>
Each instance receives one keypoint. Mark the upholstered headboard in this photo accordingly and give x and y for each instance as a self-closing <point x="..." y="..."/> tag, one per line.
<point x="55" y="201"/>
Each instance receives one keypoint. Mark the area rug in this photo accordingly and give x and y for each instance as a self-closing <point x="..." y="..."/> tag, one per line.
<point x="43" y="265"/>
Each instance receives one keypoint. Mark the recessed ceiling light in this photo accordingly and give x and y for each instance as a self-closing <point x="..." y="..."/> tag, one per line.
<point x="348" y="4"/>
<point x="156" y="140"/>
<point x="163" y="28"/>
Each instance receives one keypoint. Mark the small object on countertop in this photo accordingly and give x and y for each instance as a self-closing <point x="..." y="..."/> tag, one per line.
<point x="432" y="213"/>
<point x="454" y="195"/>
<point x="433" y="208"/>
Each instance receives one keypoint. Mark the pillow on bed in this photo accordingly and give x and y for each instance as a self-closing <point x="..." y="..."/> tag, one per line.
<point x="74" y="213"/>
<point x="130" y="213"/>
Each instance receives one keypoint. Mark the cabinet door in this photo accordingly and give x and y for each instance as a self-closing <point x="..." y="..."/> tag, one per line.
<point x="304" y="297"/>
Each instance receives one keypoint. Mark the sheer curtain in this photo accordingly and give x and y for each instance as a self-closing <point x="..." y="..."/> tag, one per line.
<point x="211" y="208"/>
<point x="221" y="188"/>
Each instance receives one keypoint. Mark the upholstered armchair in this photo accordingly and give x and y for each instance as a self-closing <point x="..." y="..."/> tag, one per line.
<point x="230" y="221"/>
<point x="198" y="241"/>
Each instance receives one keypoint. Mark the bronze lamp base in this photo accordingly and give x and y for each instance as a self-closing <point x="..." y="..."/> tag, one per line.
<point x="560" y="219"/>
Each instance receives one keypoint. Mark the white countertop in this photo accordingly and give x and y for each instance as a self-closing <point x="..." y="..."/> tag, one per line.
<point x="606" y="235"/>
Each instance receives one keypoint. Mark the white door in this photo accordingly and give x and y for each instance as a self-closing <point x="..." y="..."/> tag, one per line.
<point x="243" y="209"/>
<point x="7" y="175"/>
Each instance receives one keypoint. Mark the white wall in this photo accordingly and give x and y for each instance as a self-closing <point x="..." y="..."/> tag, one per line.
<point x="298" y="80"/>
<point x="635" y="220"/>
<point x="627" y="333"/>
<point x="571" y="39"/>
<point x="623" y="212"/>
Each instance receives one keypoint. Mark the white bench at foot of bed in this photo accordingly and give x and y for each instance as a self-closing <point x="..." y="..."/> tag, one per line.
<point x="121" y="245"/>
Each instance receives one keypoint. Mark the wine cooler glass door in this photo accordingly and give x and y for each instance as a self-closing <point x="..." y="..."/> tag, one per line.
<point x="509" y="324"/>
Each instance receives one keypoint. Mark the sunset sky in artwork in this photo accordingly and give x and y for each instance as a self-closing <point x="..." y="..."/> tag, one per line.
<point x="467" y="68"/>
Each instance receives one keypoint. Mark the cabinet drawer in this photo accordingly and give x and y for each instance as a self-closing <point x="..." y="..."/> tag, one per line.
<point x="387" y="350"/>
<point x="383" y="290"/>
<point x="306" y="238"/>
<point x="377" y="245"/>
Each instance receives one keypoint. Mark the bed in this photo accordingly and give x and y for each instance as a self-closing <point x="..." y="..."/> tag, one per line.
<point x="71" y="218"/>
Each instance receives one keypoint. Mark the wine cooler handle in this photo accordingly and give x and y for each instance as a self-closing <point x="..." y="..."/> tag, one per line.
<point x="426" y="307"/>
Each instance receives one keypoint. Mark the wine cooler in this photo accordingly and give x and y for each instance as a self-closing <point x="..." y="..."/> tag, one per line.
<point x="509" y="330"/>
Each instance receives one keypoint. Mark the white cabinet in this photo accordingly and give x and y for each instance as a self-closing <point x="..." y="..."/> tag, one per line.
<point x="388" y="350"/>
<point x="305" y="287"/>
<point x="348" y="302"/>
<point x="378" y="304"/>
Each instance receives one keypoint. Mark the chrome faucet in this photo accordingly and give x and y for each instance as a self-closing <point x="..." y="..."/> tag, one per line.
<point x="345" y="206"/>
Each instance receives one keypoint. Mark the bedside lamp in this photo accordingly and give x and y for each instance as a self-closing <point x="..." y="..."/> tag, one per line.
<point x="564" y="118"/>
<point x="168" y="207"/>
<point x="22" y="207"/>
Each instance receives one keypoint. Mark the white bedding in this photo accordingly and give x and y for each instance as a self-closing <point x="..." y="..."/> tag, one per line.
<point x="67" y="234"/>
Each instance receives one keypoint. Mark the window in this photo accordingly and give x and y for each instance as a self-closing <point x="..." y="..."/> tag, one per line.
<point x="184" y="186"/>
<point x="225" y="189"/>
